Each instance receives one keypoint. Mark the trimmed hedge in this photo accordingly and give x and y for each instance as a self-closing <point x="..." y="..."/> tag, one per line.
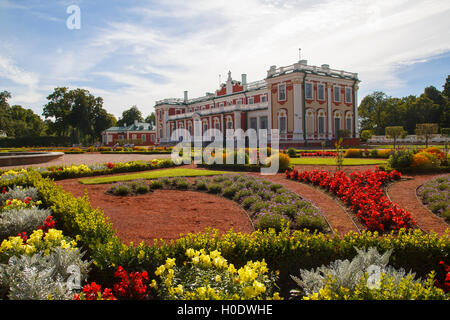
<point x="35" y="141"/>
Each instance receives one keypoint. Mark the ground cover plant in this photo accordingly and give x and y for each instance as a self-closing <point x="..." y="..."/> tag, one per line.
<point x="435" y="194"/>
<point x="176" y="172"/>
<point x="330" y="161"/>
<point x="128" y="271"/>
<point x="363" y="193"/>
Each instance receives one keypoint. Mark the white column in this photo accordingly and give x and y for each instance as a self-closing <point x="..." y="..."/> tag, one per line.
<point x="298" y="112"/>
<point x="356" y="126"/>
<point x="237" y="120"/>
<point x="269" y="113"/>
<point x="330" y="115"/>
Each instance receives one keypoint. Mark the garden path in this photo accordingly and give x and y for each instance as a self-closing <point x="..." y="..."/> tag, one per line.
<point x="404" y="193"/>
<point x="336" y="214"/>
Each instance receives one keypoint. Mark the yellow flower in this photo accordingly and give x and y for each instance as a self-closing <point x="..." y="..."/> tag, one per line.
<point x="170" y="263"/>
<point x="160" y="270"/>
<point x="218" y="278"/>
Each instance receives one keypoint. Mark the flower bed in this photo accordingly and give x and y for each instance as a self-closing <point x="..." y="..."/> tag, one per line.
<point x="435" y="194"/>
<point x="364" y="194"/>
<point x="82" y="170"/>
<point x="268" y="205"/>
<point x="285" y="251"/>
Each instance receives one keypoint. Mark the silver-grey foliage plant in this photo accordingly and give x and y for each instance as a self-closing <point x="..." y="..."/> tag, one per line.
<point x="42" y="277"/>
<point x="21" y="220"/>
<point x="347" y="273"/>
<point x="18" y="192"/>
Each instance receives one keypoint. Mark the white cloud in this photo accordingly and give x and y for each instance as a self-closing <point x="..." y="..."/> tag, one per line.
<point x="189" y="43"/>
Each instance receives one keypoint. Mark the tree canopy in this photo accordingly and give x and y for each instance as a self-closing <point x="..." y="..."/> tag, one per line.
<point x="378" y="111"/>
<point x="129" y="116"/>
<point x="17" y="121"/>
<point x="77" y="113"/>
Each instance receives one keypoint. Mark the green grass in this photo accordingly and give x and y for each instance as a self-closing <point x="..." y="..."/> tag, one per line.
<point x="177" y="172"/>
<point x="332" y="162"/>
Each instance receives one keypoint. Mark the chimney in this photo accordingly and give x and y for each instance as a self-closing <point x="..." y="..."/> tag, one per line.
<point x="185" y="96"/>
<point x="244" y="81"/>
<point x="136" y="122"/>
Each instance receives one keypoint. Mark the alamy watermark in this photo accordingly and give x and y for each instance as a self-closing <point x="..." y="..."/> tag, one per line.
<point x="228" y="148"/>
<point x="73" y="22"/>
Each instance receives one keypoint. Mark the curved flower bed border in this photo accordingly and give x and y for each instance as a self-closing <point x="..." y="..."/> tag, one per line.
<point x="362" y="191"/>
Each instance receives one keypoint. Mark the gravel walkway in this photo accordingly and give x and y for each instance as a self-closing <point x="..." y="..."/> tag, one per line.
<point x="404" y="193"/>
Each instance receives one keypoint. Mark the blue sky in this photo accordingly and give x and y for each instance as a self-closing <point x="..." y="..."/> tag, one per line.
<point x="136" y="52"/>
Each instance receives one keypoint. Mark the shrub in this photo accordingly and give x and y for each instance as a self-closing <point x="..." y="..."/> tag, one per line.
<point x="200" y="184"/>
<point x="42" y="277"/>
<point x="229" y="192"/>
<point x="292" y="152"/>
<point x="267" y="221"/>
<point x="367" y="277"/>
<point x="283" y="161"/>
<point x="353" y="153"/>
<point x="121" y="189"/>
<point x="182" y="184"/>
<point x="310" y="222"/>
<point x="424" y="161"/>
<point x="156" y="184"/>
<point x="401" y="160"/>
<point x="214" y="188"/>
<point x="20" y="193"/>
<point x="249" y="201"/>
<point x="209" y="276"/>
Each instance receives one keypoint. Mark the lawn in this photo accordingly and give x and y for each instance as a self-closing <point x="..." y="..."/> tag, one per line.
<point x="177" y="172"/>
<point x="332" y="161"/>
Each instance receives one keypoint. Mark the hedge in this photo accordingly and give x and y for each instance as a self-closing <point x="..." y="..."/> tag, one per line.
<point x="35" y="141"/>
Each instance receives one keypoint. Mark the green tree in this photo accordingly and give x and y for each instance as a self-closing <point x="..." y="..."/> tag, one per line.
<point x="446" y="86"/>
<point x="129" y="116"/>
<point x="374" y="111"/>
<point x="151" y="118"/>
<point x="5" y="113"/>
<point x="427" y="131"/>
<point x="395" y="133"/>
<point x="76" y="113"/>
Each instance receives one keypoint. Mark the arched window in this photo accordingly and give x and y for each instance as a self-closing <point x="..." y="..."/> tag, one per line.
<point x="282" y="121"/>
<point x="229" y="122"/>
<point x="321" y="122"/>
<point x="337" y="122"/>
<point x="216" y="123"/>
<point x="348" y="122"/>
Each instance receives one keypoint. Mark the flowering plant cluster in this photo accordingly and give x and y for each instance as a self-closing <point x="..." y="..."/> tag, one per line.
<point x="442" y="280"/>
<point x="210" y="276"/>
<point x="93" y="291"/>
<point x="362" y="191"/>
<point x="435" y="194"/>
<point x="132" y="286"/>
<point x="11" y="204"/>
<point x="318" y="154"/>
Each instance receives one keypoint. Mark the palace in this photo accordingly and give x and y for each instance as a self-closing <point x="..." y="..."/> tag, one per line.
<point x="308" y="104"/>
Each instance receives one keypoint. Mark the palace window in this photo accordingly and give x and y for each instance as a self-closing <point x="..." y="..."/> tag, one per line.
<point x="321" y="122"/>
<point x="144" y="137"/>
<point x="320" y="92"/>
<point x="282" y="92"/>
<point x="251" y="100"/>
<point x="254" y="123"/>
<point x="337" y="94"/>
<point x="308" y="91"/>
<point x="348" y="95"/>
<point x="263" y="98"/>
<point x="263" y="122"/>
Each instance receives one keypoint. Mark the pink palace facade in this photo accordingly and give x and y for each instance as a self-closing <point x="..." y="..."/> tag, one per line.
<point x="308" y="104"/>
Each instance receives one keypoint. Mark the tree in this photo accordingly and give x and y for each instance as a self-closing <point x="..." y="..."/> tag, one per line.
<point x="76" y="113"/>
<point x="129" y="116"/>
<point x="151" y="118"/>
<point x="5" y="115"/>
<point x="366" y="135"/>
<point x="395" y="133"/>
<point x="373" y="111"/>
<point x="446" y="86"/>
<point x="427" y="131"/>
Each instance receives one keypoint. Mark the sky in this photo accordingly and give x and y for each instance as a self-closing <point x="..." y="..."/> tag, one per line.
<point x="136" y="52"/>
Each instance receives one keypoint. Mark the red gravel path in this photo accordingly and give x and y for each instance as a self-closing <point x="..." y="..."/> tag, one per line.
<point x="404" y="194"/>
<point x="163" y="214"/>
